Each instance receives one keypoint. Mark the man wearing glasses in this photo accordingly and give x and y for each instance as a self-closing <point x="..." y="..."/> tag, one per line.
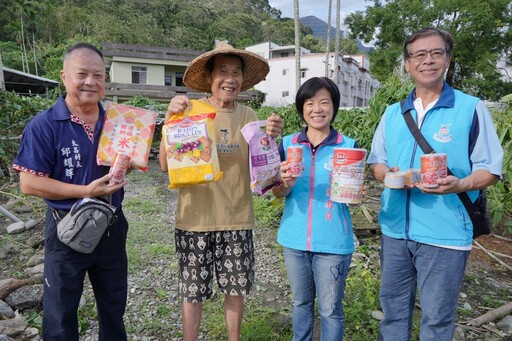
<point x="426" y="232"/>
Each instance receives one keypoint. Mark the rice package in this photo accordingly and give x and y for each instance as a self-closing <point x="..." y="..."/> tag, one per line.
<point x="126" y="130"/>
<point x="264" y="160"/>
<point x="190" y="146"/>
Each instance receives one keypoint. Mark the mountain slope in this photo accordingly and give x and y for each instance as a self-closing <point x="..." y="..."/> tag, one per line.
<point x="319" y="28"/>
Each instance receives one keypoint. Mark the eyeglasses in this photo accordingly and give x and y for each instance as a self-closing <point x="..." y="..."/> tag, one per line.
<point x="421" y="55"/>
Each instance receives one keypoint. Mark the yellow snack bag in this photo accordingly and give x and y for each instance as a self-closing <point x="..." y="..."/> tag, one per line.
<point x="190" y="146"/>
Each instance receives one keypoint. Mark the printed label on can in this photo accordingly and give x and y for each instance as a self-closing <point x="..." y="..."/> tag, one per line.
<point x="346" y="194"/>
<point x="433" y="167"/>
<point x="348" y="157"/>
<point x="120" y="165"/>
<point x="394" y="180"/>
<point x="294" y="160"/>
<point x="347" y="177"/>
<point x="412" y="176"/>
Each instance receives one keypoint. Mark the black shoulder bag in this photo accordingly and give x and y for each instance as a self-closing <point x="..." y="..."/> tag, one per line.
<point x="478" y="210"/>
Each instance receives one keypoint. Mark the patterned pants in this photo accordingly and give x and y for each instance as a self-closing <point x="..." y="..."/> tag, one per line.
<point x="228" y="254"/>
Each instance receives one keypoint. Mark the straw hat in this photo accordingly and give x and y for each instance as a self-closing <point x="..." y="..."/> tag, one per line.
<point x="256" y="68"/>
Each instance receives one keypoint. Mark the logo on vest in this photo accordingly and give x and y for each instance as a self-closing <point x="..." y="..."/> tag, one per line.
<point x="443" y="135"/>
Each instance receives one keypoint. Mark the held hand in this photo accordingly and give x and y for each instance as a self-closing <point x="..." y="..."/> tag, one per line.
<point x="396" y="169"/>
<point x="274" y="126"/>
<point x="450" y="184"/>
<point x="286" y="177"/>
<point x="100" y="187"/>
<point x="177" y="105"/>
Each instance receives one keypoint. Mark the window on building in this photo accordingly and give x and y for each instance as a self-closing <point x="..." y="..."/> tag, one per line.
<point x="179" y="78"/>
<point x="284" y="54"/>
<point x="285" y="72"/>
<point x="168" y="80"/>
<point x="139" y="75"/>
<point x="285" y="94"/>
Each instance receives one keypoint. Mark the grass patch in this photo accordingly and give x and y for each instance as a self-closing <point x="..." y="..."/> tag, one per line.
<point x="141" y="205"/>
<point x="156" y="250"/>
<point x="268" y="210"/>
<point x="260" y="323"/>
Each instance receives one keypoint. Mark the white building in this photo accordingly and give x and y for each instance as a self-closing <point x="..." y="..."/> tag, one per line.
<point x="355" y="82"/>
<point x="505" y="69"/>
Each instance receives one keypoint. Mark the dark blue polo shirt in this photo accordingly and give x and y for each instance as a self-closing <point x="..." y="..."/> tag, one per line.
<point x="53" y="145"/>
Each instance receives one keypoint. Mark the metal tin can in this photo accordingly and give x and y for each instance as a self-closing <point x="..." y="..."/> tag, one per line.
<point x="347" y="178"/>
<point x="394" y="180"/>
<point x="433" y="167"/>
<point x="294" y="159"/>
<point x="120" y="165"/>
<point x="352" y="157"/>
<point x="412" y="176"/>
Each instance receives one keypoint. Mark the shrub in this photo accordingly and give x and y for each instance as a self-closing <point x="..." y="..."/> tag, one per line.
<point x="16" y="111"/>
<point x="499" y="195"/>
<point x="357" y="123"/>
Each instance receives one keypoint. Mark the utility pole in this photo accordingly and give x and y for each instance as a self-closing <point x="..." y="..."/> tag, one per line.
<point x="297" y="44"/>
<point x="337" y="43"/>
<point x="2" y="81"/>
<point x="328" y="40"/>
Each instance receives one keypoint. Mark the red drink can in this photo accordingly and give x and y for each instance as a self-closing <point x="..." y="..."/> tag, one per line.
<point x="120" y="165"/>
<point x="294" y="159"/>
<point x="433" y="167"/>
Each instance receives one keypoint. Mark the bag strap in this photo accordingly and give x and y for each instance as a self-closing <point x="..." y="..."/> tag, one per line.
<point x="427" y="149"/>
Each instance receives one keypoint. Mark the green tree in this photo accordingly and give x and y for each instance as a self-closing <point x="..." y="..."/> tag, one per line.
<point x="313" y="44"/>
<point x="11" y="55"/>
<point x="239" y="28"/>
<point x="347" y="46"/>
<point x="482" y="30"/>
<point x="53" y="55"/>
<point x="33" y="33"/>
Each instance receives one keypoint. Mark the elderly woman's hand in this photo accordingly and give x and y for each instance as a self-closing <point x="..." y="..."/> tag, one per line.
<point x="274" y="126"/>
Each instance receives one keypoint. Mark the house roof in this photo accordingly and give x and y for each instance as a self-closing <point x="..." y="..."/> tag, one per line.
<point x="27" y="84"/>
<point x="110" y="50"/>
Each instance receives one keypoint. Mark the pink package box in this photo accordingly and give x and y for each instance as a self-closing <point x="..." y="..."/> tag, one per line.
<point x="126" y="130"/>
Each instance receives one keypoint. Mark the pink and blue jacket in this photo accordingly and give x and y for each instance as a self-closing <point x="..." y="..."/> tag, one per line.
<point x="311" y="221"/>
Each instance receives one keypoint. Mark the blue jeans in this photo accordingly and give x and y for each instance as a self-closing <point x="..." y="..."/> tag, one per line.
<point x="436" y="272"/>
<point x="313" y="274"/>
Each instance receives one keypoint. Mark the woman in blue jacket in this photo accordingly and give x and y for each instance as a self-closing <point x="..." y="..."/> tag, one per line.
<point x="316" y="233"/>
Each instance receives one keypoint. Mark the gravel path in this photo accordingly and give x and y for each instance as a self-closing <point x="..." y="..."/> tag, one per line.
<point x="153" y="310"/>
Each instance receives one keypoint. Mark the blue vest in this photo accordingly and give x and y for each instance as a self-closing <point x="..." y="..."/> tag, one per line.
<point x="428" y="218"/>
<point x="311" y="221"/>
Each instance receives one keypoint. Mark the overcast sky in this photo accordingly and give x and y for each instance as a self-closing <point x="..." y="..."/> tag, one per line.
<point x="319" y="8"/>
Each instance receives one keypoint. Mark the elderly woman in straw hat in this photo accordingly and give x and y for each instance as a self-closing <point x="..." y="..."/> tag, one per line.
<point x="217" y="242"/>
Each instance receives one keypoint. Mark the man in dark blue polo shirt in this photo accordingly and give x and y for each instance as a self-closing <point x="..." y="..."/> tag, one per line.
<point x="57" y="162"/>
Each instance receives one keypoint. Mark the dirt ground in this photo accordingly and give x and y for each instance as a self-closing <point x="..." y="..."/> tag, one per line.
<point x="487" y="284"/>
<point x="488" y="278"/>
<point x="481" y="261"/>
